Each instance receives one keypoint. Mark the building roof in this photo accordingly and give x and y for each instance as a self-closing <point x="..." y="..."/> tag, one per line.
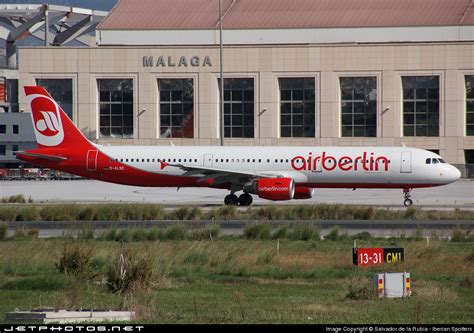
<point x="281" y="14"/>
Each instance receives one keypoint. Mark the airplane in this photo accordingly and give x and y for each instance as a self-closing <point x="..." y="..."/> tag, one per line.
<point x="273" y="173"/>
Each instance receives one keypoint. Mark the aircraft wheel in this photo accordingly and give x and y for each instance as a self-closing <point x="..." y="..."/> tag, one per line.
<point x="408" y="202"/>
<point x="245" y="199"/>
<point x="231" y="199"/>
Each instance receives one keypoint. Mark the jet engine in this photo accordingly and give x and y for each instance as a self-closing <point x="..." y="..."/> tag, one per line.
<point x="303" y="193"/>
<point x="273" y="188"/>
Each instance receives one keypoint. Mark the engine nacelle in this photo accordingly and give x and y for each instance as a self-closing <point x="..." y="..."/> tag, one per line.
<point x="303" y="193"/>
<point x="275" y="188"/>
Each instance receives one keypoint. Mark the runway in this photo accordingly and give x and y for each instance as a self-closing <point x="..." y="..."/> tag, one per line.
<point x="456" y="195"/>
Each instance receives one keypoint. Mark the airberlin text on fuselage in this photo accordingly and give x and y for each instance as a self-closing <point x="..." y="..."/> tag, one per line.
<point x="366" y="161"/>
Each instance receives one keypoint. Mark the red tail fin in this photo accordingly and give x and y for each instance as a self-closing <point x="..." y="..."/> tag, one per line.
<point x="52" y="126"/>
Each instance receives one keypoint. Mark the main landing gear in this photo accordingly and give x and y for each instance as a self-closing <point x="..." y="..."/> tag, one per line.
<point x="244" y="199"/>
<point x="406" y="193"/>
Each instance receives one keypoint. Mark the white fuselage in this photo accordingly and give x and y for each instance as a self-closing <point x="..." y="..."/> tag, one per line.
<point x="313" y="166"/>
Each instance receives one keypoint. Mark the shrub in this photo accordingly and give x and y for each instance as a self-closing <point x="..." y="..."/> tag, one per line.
<point x="139" y="235"/>
<point x="196" y="257"/>
<point x="29" y="213"/>
<point x="154" y="234"/>
<point x="124" y="236"/>
<point x="305" y="232"/>
<point x="86" y="232"/>
<point x="281" y="232"/>
<point x="364" y="235"/>
<point x="359" y="290"/>
<point x="86" y="214"/>
<point x="458" y="235"/>
<point x="176" y="232"/>
<point x="76" y="259"/>
<point x="265" y="257"/>
<point x="25" y="232"/>
<point x="210" y="231"/>
<point x="8" y="214"/>
<point x="257" y="231"/>
<point x="333" y="234"/>
<point x="130" y="272"/>
<point x="111" y="235"/>
<point x="409" y="213"/>
<point x="67" y="212"/>
<point x="223" y="213"/>
<point x="466" y="282"/>
<point x="3" y="231"/>
<point x="14" y="199"/>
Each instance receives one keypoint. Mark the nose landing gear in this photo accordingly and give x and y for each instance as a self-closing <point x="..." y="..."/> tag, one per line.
<point x="406" y="193"/>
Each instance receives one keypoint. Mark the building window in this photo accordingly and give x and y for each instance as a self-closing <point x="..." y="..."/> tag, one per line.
<point x="238" y="108"/>
<point x="3" y="129"/>
<point x="469" y="104"/>
<point x="16" y="129"/>
<point x="420" y="105"/>
<point x="297" y="111"/>
<point x="176" y="108"/>
<point x="3" y="150"/>
<point x="358" y="106"/>
<point x="14" y="148"/>
<point x="61" y="91"/>
<point x="116" y="107"/>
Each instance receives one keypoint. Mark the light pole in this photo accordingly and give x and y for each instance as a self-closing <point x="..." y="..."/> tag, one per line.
<point x="222" y="76"/>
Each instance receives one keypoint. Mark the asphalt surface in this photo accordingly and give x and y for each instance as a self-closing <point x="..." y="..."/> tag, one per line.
<point x="379" y="228"/>
<point x="457" y="195"/>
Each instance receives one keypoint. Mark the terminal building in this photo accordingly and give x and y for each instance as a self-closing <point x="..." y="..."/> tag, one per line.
<point x="302" y="72"/>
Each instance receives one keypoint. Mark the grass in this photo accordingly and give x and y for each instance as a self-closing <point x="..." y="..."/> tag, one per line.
<point x="240" y="280"/>
<point x="21" y="211"/>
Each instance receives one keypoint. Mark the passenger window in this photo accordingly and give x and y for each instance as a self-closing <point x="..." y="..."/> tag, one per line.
<point x="253" y="161"/>
<point x="428" y="161"/>
<point x="268" y="160"/>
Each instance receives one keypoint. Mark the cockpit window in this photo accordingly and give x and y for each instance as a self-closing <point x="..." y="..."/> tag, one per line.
<point x="428" y="161"/>
<point x="441" y="160"/>
<point x="435" y="161"/>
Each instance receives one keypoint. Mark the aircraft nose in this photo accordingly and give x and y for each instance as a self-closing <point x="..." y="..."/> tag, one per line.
<point x="453" y="173"/>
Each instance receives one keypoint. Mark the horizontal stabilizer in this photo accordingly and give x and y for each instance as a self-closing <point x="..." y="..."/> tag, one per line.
<point x="43" y="156"/>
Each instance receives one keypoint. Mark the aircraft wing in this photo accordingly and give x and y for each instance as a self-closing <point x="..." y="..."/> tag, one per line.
<point x="223" y="175"/>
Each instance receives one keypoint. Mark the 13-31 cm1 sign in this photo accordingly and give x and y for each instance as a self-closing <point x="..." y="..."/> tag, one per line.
<point x="376" y="256"/>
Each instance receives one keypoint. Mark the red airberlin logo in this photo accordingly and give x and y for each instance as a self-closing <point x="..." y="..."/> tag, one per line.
<point x="367" y="162"/>
<point x="45" y="119"/>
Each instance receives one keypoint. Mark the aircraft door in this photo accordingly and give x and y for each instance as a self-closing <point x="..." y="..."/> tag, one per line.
<point x="405" y="162"/>
<point x="92" y="160"/>
<point x="207" y="160"/>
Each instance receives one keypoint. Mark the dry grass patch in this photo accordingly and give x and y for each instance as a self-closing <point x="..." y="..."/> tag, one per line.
<point x="432" y="291"/>
<point x="325" y="309"/>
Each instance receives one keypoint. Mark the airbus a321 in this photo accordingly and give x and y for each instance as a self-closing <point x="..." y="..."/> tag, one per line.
<point x="273" y="173"/>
